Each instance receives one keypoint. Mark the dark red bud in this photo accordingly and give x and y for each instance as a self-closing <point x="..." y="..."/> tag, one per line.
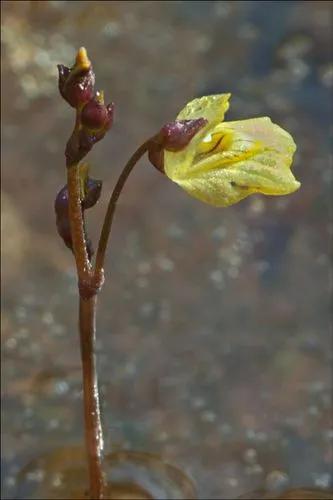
<point x="61" y="202"/>
<point x="93" y="192"/>
<point x="175" y="136"/>
<point x="97" y="116"/>
<point x="93" y="115"/>
<point x="93" y="189"/>
<point x="76" y="87"/>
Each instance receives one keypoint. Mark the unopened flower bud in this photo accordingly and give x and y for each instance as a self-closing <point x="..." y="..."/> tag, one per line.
<point x="96" y="120"/>
<point x="92" y="192"/>
<point x="81" y="143"/>
<point x="96" y="116"/>
<point x="61" y="202"/>
<point x="173" y="136"/>
<point x="76" y="84"/>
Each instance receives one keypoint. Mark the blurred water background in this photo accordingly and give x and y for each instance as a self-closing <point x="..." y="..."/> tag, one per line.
<point x="214" y="329"/>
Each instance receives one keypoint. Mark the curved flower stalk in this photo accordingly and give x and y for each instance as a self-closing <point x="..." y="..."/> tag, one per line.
<point x="227" y="161"/>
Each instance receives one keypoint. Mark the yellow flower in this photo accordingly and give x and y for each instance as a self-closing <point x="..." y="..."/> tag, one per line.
<point x="227" y="161"/>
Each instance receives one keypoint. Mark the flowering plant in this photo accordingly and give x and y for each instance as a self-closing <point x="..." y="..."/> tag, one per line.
<point x="227" y="161"/>
<point x="217" y="162"/>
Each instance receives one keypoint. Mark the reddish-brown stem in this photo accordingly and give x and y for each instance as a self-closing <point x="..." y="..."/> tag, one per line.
<point x="75" y="214"/>
<point x="89" y="283"/>
<point x="106" y="229"/>
<point x="87" y="319"/>
<point x="76" y="223"/>
<point x="93" y="427"/>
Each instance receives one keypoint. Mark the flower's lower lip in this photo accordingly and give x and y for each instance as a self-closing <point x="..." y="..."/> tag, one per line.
<point x="268" y="190"/>
<point x="280" y="192"/>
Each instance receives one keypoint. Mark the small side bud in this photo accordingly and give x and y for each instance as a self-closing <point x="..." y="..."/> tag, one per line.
<point x="96" y="120"/>
<point x="173" y="136"/>
<point x="96" y="116"/>
<point x="93" y="191"/>
<point x="61" y="202"/>
<point x="62" y="218"/>
<point x="76" y="84"/>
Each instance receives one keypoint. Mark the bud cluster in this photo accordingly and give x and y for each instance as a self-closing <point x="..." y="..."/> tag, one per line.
<point x="94" y="119"/>
<point x="76" y="85"/>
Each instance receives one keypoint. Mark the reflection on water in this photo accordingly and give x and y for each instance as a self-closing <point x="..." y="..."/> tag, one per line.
<point x="294" y="494"/>
<point x="130" y="475"/>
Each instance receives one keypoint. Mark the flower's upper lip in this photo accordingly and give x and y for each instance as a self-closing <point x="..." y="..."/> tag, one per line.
<point x="212" y="108"/>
